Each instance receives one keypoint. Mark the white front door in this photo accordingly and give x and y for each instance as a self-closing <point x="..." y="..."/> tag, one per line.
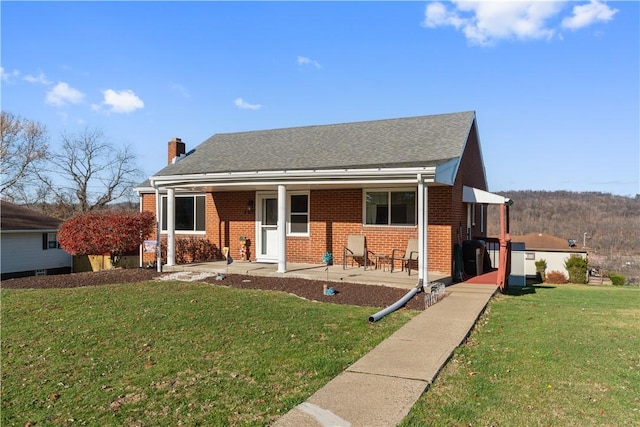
<point x="267" y="227"/>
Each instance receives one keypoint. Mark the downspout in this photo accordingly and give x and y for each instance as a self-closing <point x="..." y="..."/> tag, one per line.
<point x="422" y="254"/>
<point x="423" y="231"/>
<point x="393" y="307"/>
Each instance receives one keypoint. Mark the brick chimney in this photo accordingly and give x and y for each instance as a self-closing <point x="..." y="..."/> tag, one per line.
<point x="176" y="148"/>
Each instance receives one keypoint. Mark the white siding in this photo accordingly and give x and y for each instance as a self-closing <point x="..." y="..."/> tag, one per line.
<point x="23" y="252"/>
<point x="555" y="261"/>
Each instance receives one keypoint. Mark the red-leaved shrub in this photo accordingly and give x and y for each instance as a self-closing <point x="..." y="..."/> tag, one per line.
<point x="191" y="249"/>
<point x="556" y="278"/>
<point x="112" y="232"/>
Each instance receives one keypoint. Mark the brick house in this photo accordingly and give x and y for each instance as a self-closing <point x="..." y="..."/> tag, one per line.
<point x="297" y="193"/>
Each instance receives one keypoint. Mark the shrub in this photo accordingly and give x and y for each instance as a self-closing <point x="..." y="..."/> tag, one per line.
<point x="192" y="249"/>
<point x="556" y="278"/>
<point x="617" y="279"/>
<point x="577" y="267"/>
<point x="541" y="269"/>
<point x="99" y="233"/>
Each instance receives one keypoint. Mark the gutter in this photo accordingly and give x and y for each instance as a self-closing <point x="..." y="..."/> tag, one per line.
<point x="351" y="176"/>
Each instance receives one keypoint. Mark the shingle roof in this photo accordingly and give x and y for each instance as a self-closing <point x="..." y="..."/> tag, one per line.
<point x="404" y="142"/>
<point x="14" y="217"/>
<point x="542" y="241"/>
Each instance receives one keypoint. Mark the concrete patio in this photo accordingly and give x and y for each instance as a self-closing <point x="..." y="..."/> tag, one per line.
<point x="334" y="273"/>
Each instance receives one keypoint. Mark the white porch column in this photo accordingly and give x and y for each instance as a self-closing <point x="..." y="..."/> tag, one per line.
<point x="282" y="229"/>
<point x="141" y="248"/>
<point x="158" y="232"/>
<point x="423" y="231"/>
<point x="171" y="227"/>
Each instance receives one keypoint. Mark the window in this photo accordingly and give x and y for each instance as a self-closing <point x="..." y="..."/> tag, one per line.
<point x="390" y="207"/>
<point x="50" y="241"/>
<point x="189" y="213"/>
<point x="299" y="214"/>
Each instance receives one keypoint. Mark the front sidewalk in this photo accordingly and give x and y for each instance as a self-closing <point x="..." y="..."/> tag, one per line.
<point x="381" y="388"/>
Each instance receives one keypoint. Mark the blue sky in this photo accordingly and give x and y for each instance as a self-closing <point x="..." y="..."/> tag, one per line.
<point x="555" y="85"/>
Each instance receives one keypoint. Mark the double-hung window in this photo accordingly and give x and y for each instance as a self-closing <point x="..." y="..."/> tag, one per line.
<point x="390" y="207"/>
<point x="189" y="213"/>
<point x="50" y="241"/>
<point x="299" y="214"/>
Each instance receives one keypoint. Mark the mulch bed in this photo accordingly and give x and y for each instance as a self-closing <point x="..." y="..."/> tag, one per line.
<point x="346" y="293"/>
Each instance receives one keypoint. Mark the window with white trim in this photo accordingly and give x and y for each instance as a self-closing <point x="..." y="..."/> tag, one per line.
<point x="50" y="241"/>
<point x="189" y="213"/>
<point x="390" y="207"/>
<point x="298" y="223"/>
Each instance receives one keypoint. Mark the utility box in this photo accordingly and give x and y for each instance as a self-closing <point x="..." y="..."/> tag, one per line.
<point x="475" y="259"/>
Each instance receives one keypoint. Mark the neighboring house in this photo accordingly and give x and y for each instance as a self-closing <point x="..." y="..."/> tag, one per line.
<point x="554" y="250"/>
<point x="297" y="193"/>
<point x="29" y="243"/>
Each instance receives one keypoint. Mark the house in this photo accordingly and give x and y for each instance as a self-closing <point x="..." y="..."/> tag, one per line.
<point x="293" y="194"/>
<point x="554" y="250"/>
<point x="29" y="243"/>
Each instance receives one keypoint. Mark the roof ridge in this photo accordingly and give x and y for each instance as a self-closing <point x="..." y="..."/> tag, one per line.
<point x="345" y="123"/>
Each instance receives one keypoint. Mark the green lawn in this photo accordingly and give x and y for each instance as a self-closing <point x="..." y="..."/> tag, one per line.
<point x="562" y="356"/>
<point x="172" y="353"/>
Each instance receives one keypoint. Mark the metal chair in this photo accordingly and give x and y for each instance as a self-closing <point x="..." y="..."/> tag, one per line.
<point x="356" y="248"/>
<point x="407" y="257"/>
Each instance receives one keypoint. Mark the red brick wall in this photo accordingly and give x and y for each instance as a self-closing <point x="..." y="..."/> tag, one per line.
<point x="447" y="211"/>
<point x="471" y="173"/>
<point x="228" y="220"/>
<point x="334" y="214"/>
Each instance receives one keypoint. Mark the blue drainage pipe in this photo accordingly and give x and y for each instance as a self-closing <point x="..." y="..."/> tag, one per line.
<point x="393" y="307"/>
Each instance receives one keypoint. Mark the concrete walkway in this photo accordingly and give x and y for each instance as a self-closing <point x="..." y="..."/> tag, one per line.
<point x="381" y="387"/>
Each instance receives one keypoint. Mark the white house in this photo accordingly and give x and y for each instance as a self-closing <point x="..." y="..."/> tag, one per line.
<point x="554" y="250"/>
<point x="29" y="244"/>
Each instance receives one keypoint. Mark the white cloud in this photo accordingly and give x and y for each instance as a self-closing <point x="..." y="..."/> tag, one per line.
<point x="40" y="78"/>
<point x="587" y="14"/>
<point x="243" y="105"/>
<point x="6" y="76"/>
<point x="124" y="101"/>
<point x="62" y="94"/>
<point x="177" y="87"/>
<point x="484" y="23"/>
<point x="303" y="60"/>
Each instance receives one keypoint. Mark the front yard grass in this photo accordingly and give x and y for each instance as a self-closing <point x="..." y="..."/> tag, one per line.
<point x="175" y="353"/>
<point x="562" y="356"/>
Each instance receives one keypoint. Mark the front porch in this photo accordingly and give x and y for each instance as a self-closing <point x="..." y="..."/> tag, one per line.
<point x="332" y="273"/>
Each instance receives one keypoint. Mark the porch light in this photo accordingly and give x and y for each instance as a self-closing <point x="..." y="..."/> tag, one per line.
<point x="249" y="207"/>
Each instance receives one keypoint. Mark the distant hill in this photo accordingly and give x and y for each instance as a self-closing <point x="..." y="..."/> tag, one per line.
<point x="612" y="222"/>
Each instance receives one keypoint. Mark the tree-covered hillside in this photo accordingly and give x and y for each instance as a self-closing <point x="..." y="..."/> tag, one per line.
<point x="611" y="223"/>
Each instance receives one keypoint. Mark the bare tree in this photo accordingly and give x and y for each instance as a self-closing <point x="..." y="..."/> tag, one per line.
<point x="24" y="148"/>
<point x="90" y="173"/>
